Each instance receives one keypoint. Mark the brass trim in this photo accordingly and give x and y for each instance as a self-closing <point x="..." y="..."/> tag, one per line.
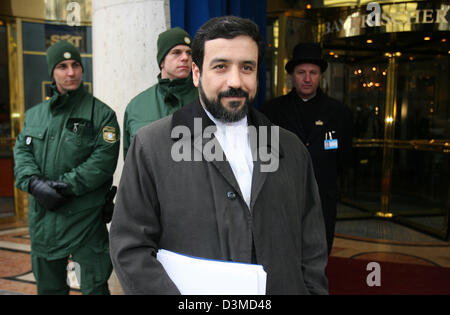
<point x="20" y="197"/>
<point x="442" y="146"/>
<point x="275" y="6"/>
<point x="17" y="104"/>
<point x="43" y="83"/>
<point x="389" y="132"/>
<point x="16" y="81"/>
<point x="282" y="55"/>
<point x="43" y="53"/>
<point x="54" y="11"/>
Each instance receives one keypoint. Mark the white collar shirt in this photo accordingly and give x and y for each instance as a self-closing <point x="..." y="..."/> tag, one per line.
<point x="234" y="140"/>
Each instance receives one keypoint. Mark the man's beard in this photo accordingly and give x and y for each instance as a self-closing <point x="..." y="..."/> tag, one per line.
<point x="220" y="112"/>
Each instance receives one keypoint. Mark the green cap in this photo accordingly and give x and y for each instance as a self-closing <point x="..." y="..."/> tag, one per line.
<point x="169" y="39"/>
<point x="61" y="51"/>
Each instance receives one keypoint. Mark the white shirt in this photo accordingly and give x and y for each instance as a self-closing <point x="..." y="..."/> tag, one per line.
<point x="234" y="140"/>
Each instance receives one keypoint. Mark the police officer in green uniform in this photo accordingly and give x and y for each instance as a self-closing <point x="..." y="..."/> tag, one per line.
<point x="173" y="90"/>
<point x="65" y="158"/>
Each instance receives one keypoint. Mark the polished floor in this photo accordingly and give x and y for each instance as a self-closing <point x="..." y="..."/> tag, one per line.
<point x="369" y="240"/>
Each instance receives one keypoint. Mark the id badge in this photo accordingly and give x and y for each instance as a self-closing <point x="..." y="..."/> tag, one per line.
<point x="330" y="144"/>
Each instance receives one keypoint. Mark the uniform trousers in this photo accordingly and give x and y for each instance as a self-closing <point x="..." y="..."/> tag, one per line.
<point x="95" y="268"/>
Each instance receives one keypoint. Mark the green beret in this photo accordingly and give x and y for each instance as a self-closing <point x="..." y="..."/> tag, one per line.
<point x="169" y="39"/>
<point x="61" y="51"/>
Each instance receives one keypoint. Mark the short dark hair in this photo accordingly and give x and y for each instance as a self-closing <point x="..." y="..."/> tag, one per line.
<point x="227" y="27"/>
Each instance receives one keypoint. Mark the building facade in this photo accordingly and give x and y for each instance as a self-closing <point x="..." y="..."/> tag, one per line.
<point x="389" y="62"/>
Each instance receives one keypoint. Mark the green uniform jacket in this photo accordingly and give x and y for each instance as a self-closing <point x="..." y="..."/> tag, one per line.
<point x="158" y="101"/>
<point x="59" y="141"/>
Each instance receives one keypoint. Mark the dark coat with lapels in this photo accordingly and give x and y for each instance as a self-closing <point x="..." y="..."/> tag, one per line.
<point x="329" y="117"/>
<point x="195" y="207"/>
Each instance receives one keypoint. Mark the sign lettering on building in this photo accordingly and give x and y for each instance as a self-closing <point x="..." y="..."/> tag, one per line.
<point x="74" y="40"/>
<point x="396" y="20"/>
<point x="76" y="35"/>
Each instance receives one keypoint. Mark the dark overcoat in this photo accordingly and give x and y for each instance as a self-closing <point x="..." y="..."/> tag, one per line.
<point x="195" y="207"/>
<point x="333" y="118"/>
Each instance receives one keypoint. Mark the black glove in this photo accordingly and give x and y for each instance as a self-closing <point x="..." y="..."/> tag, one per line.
<point x="50" y="194"/>
<point x="108" y="208"/>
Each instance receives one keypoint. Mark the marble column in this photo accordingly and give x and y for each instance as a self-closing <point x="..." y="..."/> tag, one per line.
<point x="124" y="36"/>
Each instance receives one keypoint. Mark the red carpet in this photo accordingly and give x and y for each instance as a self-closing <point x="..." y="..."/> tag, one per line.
<point x="349" y="276"/>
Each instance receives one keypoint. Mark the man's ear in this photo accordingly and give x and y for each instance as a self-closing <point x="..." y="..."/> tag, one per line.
<point x="195" y="74"/>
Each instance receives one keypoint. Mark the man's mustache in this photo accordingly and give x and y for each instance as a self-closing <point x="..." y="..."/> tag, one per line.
<point x="232" y="92"/>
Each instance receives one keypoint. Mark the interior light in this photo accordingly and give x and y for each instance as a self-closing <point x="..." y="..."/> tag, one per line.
<point x="427" y="38"/>
<point x="374" y="68"/>
<point x="308" y="6"/>
<point x="369" y="41"/>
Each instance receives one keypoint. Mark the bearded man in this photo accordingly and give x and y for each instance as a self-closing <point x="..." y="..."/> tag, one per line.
<point x="224" y="209"/>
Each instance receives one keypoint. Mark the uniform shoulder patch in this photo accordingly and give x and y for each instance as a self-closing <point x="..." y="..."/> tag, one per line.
<point x="109" y="134"/>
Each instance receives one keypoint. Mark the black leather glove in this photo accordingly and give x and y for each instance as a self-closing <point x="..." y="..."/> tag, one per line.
<point x="108" y="208"/>
<point x="50" y="194"/>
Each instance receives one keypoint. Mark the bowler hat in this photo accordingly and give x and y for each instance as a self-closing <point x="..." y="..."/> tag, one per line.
<point x="307" y="53"/>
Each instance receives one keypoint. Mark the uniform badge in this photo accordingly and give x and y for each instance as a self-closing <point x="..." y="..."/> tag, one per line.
<point x="67" y="55"/>
<point x="109" y="134"/>
<point x="187" y="40"/>
<point x="28" y="141"/>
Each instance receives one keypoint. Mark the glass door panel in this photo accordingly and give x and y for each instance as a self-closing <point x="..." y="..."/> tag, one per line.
<point x="363" y="89"/>
<point x="421" y="175"/>
<point x="6" y="153"/>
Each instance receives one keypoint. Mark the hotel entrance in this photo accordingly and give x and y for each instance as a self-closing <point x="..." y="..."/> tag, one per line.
<point x="6" y="143"/>
<point x="394" y="76"/>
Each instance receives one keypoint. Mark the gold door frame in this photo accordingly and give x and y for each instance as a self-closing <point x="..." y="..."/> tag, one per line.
<point x="389" y="133"/>
<point x="17" y="106"/>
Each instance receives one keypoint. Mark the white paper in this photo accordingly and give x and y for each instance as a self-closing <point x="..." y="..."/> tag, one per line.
<point x="198" y="276"/>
